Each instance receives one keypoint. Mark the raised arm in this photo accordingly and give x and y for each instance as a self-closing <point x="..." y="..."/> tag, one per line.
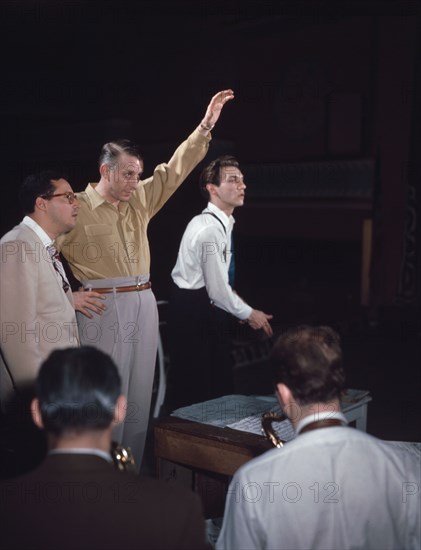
<point x="169" y="176"/>
<point x="213" y="110"/>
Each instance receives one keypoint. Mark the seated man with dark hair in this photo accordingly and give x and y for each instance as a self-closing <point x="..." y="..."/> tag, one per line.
<point x="332" y="486"/>
<point x="76" y="498"/>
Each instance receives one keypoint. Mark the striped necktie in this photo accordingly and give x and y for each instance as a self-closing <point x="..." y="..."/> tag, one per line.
<point x="58" y="266"/>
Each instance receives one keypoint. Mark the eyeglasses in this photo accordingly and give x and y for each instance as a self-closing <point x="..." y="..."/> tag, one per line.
<point x="70" y="196"/>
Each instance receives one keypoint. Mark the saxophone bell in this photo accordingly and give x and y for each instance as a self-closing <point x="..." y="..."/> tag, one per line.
<point x="267" y="428"/>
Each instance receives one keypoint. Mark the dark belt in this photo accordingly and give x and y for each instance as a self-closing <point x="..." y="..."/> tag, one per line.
<point x="131" y="288"/>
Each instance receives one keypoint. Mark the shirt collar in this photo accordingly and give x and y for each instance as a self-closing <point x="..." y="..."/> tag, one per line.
<point x="228" y="221"/>
<point x="321" y="415"/>
<point x="94" y="197"/>
<point x="32" y="224"/>
<point x="82" y="451"/>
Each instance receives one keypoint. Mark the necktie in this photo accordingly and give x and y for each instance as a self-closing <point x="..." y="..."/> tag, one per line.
<point x="58" y="266"/>
<point x="231" y="268"/>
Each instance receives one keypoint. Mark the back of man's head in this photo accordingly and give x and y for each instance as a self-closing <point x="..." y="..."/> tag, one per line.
<point x="77" y="390"/>
<point x="309" y="361"/>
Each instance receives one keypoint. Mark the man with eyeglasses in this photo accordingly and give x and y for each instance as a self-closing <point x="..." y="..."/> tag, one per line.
<point x="203" y="295"/>
<point x="37" y="307"/>
<point x="108" y="251"/>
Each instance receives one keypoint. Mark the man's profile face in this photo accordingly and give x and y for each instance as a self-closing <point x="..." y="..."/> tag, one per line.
<point x="123" y="178"/>
<point x="62" y="210"/>
<point x="231" y="191"/>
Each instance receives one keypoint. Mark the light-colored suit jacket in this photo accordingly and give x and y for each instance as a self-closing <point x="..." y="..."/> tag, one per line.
<point x="36" y="315"/>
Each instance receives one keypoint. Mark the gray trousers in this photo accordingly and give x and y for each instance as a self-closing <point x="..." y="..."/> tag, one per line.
<point x="128" y="331"/>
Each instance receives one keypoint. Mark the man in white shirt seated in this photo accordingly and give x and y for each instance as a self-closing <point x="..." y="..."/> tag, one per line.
<point x="332" y="486"/>
<point x="76" y="498"/>
<point x="203" y="301"/>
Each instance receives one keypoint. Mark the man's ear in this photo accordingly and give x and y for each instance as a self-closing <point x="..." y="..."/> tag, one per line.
<point x="284" y="395"/>
<point x="290" y="407"/>
<point x="40" y="203"/>
<point x="211" y="188"/>
<point x="120" y="409"/>
<point x="104" y="170"/>
<point x="36" y="413"/>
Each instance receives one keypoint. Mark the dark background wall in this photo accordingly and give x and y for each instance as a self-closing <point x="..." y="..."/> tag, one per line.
<point x="313" y="83"/>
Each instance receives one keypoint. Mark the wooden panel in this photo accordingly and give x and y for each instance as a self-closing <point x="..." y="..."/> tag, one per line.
<point x="204" y="447"/>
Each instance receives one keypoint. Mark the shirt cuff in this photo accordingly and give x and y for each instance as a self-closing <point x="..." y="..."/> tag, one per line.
<point x="245" y="312"/>
<point x="200" y="138"/>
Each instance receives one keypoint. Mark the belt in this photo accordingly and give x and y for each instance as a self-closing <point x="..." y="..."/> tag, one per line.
<point x="131" y="288"/>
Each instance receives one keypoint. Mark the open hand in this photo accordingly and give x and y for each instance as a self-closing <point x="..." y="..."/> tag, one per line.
<point x="260" y="320"/>
<point x="215" y="107"/>
<point x="86" y="301"/>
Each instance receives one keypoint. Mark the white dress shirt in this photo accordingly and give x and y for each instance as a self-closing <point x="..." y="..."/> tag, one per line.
<point x="32" y="224"/>
<point x="329" y="488"/>
<point x="47" y="242"/>
<point x="204" y="257"/>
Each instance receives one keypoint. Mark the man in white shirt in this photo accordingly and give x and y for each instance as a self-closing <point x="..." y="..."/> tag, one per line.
<point x="331" y="487"/>
<point x="203" y="301"/>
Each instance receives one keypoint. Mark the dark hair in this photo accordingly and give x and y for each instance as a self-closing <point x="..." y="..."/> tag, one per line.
<point x="212" y="173"/>
<point x="309" y="361"/>
<point x="111" y="151"/>
<point x="77" y="390"/>
<point x="35" y="186"/>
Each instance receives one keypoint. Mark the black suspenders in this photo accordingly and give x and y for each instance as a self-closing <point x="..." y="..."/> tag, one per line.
<point x="219" y="220"/>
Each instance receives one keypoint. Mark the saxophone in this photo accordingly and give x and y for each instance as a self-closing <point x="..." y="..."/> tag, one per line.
<point x="123" y="458"/>
<point x="267" y="429"/>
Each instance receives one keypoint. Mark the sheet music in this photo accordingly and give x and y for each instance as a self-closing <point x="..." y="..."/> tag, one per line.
<point x="244" y="412"/>
<point x="253" y="424"/>
<point x="227" y="410"/>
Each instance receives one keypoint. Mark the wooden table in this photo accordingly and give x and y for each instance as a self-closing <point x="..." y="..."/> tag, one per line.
<point x="204" y="447"/>
<point x="204" y="457"/>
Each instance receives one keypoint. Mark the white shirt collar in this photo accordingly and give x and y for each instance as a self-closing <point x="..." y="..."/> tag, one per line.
<point x="228" y="221"/>
<point x="319" y="415"/>
<point x="32" y="224"/>
<point x="82" y="451"/>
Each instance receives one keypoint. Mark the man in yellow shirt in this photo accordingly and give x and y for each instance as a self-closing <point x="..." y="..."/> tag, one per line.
<point x="108" y="251"/>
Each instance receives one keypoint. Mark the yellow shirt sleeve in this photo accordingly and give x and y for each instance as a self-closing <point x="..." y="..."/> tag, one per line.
<point x="110" y="242"/>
